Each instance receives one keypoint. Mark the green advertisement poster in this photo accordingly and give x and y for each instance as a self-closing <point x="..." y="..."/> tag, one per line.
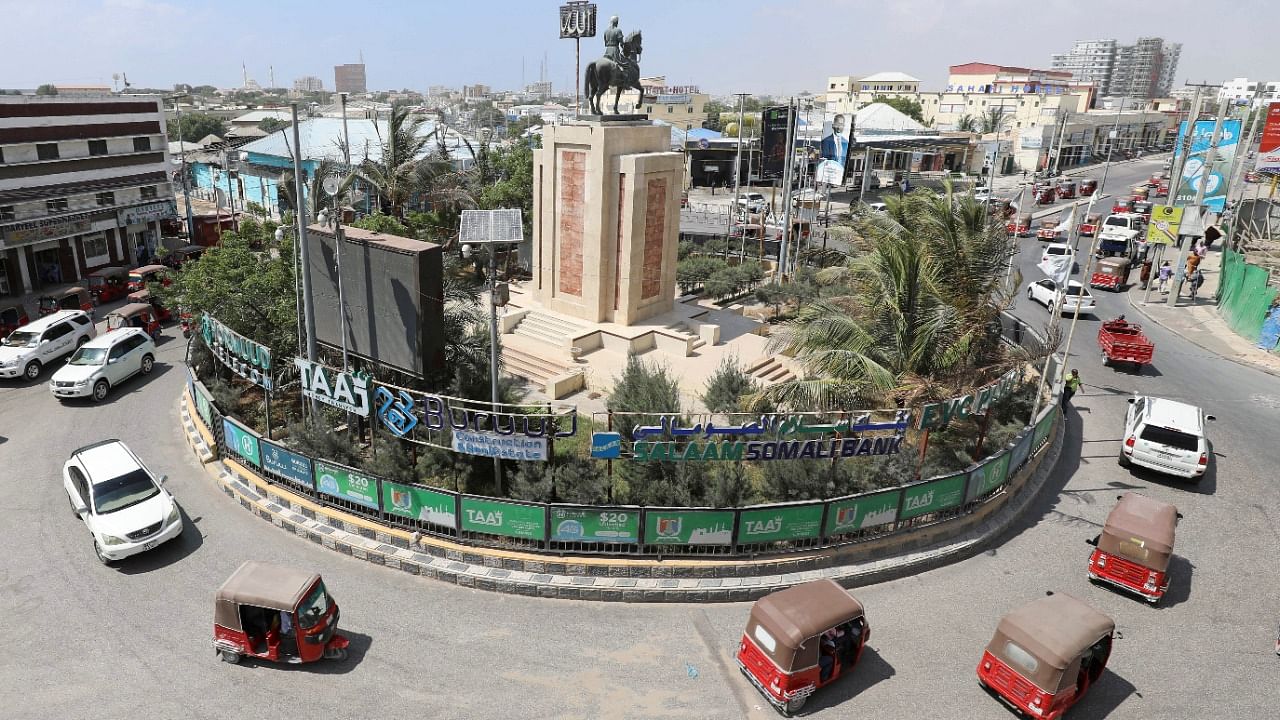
<point x="688" y="527"/>
<point x="430" y="506"/>
<point x="932" y="496"/>
<point x="864" y="511"/>
<point x="793" y="522"/>
<point x="202" y="403"/>
<point x="241" y="441"/>
<point x="347" y="485"/>
<point x="501" y="518"/>
<point x="1042" y="430"/>
<point x="990" y="476"/>
<point x="606" y="525"/>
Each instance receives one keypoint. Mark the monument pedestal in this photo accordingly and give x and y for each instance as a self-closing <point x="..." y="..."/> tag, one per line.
<point x="606" y="220"/>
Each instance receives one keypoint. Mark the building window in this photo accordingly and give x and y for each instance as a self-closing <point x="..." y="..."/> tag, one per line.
<point x="1" y="155"/>
<point x="148" y="192"/>
<point x="47" y="151"/>
<point x="97" y="147"/>
<point x="649" y="109"/>
<point x="6" y="212"/>
<point x="689" y="109"/>
<point x="55" y="205"/>
<point x="141" y="144"/>
<point x="106" y="198"/>
<point x="95" y="247"/>
<point x="670" y="109"/>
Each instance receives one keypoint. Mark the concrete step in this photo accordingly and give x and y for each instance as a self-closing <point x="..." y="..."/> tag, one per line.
<point x="518" y="362"/>
<point x="567" y="327"/>
<point x="699" y="343"/>
<point x="758" y="363"/>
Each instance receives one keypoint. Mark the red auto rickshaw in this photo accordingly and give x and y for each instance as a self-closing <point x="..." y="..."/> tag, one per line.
<point x="184" y="255"/>
<point x="1046" y="195"/>
<point x="1019" y="226"/>
<point x="1122" y="205"/>
<point x="800" y="639"/>
<point x="139" y="277"/>
<point x="163" y="314"/>
<point x="1045" y="655"/>
<point x="109" y="283"/>
<point x="277" y="613"/>
<point x="1088" y="187"/>
<point x="1067" y="189"/>
<point x="72" y="298"/>
<point x="1134" y="548"/>
<point x="1162" y="190"/>
<point x="138" y="315"/>
<point x="1141" y="192"/>
<point x="13" y="315"/>
<point x="1090" y="225"/>
<point x="1143" y="208"/>
<point x="1048" y="229"/>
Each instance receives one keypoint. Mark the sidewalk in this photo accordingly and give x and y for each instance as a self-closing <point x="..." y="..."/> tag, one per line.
<point x="1199" y="322"/>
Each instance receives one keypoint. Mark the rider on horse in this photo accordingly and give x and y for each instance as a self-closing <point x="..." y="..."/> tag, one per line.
<point x="613" y="45"/>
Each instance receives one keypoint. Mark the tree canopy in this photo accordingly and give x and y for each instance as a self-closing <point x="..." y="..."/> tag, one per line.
<point x="902" y="104"/>
<point x="195" y="126"/>
<point x="46" y="89"/>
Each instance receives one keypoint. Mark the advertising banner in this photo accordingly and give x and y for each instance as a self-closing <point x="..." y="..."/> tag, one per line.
<point x="688" y="527"/>
<point x="1042" y="431"/>
<point x="204" y="403"/>
<point x="933" y="496"/>
<point x="602" y="525"/>
<point x="346" y="484"/>
<point x="1269" y="148"/>
<point x="287" y="464"/>
<point x="988" y="477"/>
<point x="502" y="518"/>
<point x="775" y="123"/>
<point x="862" y="512"/>
<point x="1165" y="221"/>
<point x="419" y="503"/>
<point x="507" y="447"/>
<point x="1021" y="451"/>
<point x="789" y="522"/>
<point x="241" y="440"/>
<point x="837" y="128"/>
<point x="1194" y="172"/>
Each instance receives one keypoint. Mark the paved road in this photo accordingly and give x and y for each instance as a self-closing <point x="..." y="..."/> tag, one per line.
<point x="87" y="641"/>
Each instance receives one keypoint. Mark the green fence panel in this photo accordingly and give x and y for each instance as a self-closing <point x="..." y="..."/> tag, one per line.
<point x="677" y="526"/>
<point x="493" y="517"/>
<point x="932" y="496"/>
<point x="617" y="525"/>
<point x="419" y="503"/>
<point x="784" y="522"/>
<point x="862" y="511"/>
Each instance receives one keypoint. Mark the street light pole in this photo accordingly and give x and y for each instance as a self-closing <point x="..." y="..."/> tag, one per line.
<point x="789" y="168"/>
<point x="737" y="181"/>
<point x="300" y="218"/>
<point x="1175" y="179"/>
<point x="186" y="189"/>
<point x="1210" y="156"/>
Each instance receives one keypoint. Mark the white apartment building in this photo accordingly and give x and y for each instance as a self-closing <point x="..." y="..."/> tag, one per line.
<point x="84" y="184"/>
<point x="1145" y="69"/>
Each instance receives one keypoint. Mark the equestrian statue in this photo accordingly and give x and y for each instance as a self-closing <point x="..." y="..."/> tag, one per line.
<point x="619" y="69"/>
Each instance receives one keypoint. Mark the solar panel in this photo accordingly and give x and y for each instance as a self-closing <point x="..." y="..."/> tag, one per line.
<point x="491" y="226"/>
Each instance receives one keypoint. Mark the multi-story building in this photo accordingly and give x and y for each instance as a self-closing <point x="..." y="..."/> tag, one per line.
<point x="349" y="78"/>
<point x="683" y="106"/>
<point x="84" y="184"/>
<point x="308" y="84"/>
<point x="1145" y="69"/>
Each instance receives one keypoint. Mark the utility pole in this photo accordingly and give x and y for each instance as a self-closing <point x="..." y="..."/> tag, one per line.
<point x="1240" y="162"/>
<point x="1209" y="158"/>
<point x="1175" y="178"/>
<point x="186" y="189"/>
<point x="788" y="169"/>
<point x="300" y="217"/>
<point x="1062" y="138"/>
<point x="737" y="179"/>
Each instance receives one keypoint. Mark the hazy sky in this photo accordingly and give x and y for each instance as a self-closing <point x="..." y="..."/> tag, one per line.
<point x="775" y="47"/>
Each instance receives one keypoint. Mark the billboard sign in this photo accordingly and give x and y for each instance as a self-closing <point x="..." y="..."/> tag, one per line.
<point x="243" y="356"/>
<point x="775" y="124"/>
<point x="288" y="465"/>
<point x="242" y="441"/>
<point x="837" y="129"/>
<point x="346" y="484"/>
<point x="1269" y="147"/>
<point x="595" y="525"/>
<point x="933" y="496"/>
<point x="345" y="391"/>
<point x="937" y="415"/>
<point x="1165" y="221"/>
<point x="1194" y="172"/>
<point x="688" y="527"/>
<point x="577" y="20"/>
<point x="494" y="517"/>
<point x="507" y="447"/>
<point x="419" y="503"/>
<point x="788" y="522"/>
<point x="862" y="512"/>
<point x="475" y="427"/>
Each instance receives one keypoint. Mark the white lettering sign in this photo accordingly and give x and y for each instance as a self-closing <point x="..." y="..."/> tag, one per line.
<point x="333" y="387"/>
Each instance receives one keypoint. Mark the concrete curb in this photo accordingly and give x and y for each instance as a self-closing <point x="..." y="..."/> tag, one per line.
<point x="609" y="583"/>
<point x="1235" y="359"/>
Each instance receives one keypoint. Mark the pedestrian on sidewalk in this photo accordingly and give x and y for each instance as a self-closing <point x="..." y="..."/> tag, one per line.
<point x="1166" y="272"/>
<point x="1201" y="249"/>
<point x="1194" y="281"/>
<point x="1193" y="262"/>
<point x="1070" y="387"/>
<point x="1146" y="272"/>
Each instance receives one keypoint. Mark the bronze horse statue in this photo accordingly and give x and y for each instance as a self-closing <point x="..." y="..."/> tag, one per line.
<point x="603" y="74"/>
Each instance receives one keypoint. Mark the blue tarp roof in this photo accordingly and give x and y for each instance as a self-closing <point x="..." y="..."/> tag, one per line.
<point x="703" y="134"/>
<point x="320" y="138"/>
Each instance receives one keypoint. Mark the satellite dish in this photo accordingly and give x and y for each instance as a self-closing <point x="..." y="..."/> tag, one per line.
<point x="330" y="185"/>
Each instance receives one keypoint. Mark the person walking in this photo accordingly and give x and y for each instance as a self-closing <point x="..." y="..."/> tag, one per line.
<point x="1194" y="281"/>
<point x="1070" y="387"/>
<point x="1166" y="272"/>
<point x="1146" y="272"/>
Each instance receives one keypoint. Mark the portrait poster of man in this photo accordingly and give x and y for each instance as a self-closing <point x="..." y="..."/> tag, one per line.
<point x="836" y="130"/>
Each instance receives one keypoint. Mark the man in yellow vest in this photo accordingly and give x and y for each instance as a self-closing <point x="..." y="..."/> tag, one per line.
<point x="1070" y="387"/>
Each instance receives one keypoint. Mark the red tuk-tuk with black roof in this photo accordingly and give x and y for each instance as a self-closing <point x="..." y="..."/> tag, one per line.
<point x="109" y="283"/>
<point x="140" y="277"/>
<point x="1088" y="187"/>
<point x="276" y="613"/>
<point x="72" y="298"/>
<point x="1122" y="205"/>
<point x="163" y="314"/>
<point x="13" y="315"/>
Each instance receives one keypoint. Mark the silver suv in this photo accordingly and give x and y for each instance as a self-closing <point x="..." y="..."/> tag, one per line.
<point x="101" y="364"/>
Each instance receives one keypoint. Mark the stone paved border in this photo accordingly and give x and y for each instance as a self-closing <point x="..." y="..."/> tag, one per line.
<point x="572" y="579"/>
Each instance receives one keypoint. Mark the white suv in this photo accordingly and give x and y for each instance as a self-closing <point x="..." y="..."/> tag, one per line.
<point x="1165" y="435"/>
<point x="103" y="363"/>
<point x="120" y="501"/>
<point x="26" y="351"/>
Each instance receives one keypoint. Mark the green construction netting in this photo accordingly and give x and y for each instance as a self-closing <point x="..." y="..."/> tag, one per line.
<point x="1243" y="296"/>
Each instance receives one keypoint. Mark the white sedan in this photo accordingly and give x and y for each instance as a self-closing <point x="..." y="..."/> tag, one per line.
<point x="120" y="500"/>
<point x="1047" y="293"/>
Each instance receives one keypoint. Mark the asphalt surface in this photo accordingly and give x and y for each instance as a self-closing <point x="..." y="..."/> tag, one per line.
<point x="83" y="640"/>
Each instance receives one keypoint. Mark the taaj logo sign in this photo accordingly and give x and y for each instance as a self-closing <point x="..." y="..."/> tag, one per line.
<point x="245" y="357"/>
<point x="332" y="387"/>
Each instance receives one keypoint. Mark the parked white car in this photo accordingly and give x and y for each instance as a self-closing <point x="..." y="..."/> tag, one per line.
<point x="122" y="503"/>
<point x="26" y="351"/>
<point x="1058" y="250"/>
<point x="1166" y="436"/>
<point x="103" y="363"/>
<point x="1047" y="293"/>
<point x="752" y="202"/>
<point x="982" y="193"/>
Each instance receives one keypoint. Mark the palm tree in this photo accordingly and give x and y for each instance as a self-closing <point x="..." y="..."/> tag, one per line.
<point x="920" y="319"/>
<point x="993" y="120"/>
<point x="394" y="173"/>
<point x="316" y="198"/>
<point x="967" y="123"/>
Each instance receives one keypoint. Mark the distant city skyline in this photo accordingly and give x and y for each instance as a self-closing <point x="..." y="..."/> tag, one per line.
<point x="779" y="47"/>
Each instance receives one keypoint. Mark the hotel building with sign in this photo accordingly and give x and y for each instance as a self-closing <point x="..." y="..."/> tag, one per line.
<point x="84" y="184"/>
<point x="683" y="106"/>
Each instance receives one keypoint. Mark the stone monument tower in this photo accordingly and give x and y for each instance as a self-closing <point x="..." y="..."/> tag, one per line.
<point x="606" y="219"/>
